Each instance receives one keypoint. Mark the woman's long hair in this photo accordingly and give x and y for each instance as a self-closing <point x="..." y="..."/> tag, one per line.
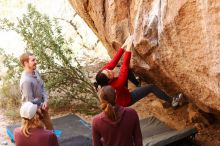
<point x="101" y="79"/>
<point x="107" y="97"/>
<point x="35" y="122"/>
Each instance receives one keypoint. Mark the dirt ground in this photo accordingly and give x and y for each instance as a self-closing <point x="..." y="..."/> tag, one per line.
<point x="4" y="139"/>
<point x="176" y="118"/>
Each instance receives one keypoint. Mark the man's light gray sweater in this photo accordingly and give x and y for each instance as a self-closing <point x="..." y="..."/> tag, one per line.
<point x="32" y="88"/>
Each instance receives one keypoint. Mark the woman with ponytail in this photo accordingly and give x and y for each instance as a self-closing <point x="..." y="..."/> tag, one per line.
<point x="32" y="132"/>
<point x="115" y="125"/>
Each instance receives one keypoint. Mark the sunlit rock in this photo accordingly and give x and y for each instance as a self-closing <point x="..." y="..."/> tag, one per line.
<point x="177" y="43"/>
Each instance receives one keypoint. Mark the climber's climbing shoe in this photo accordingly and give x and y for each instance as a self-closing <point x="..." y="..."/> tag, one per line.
<point x="177" y="100"/>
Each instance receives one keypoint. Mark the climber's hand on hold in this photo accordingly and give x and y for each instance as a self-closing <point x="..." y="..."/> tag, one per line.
<point x="129" y="41"/>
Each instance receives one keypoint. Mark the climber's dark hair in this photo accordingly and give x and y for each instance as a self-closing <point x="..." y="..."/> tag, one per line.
<point x="101" y="79"/>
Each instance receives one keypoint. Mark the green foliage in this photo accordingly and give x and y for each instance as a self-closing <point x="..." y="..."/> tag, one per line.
<point x="62" y="73"/>
<point x="14" y="70"/>
<point x="9" y="100"/>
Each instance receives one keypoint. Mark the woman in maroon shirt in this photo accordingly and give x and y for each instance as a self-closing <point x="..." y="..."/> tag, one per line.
<point x="124" y="97"/>
<point x="111" y="127"/>
<point x="32" y="132"/>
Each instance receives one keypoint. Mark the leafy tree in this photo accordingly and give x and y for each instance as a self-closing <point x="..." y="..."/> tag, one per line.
<point x="65" y="78"/>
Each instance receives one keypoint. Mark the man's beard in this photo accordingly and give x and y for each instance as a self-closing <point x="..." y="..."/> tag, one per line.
<point x="33" y="67"/>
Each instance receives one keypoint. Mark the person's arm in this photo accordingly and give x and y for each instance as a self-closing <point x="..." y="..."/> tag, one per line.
<point x="123" y="75"/>
<point x="111" y="65"/>
<point x="45" y="97"/>
<point x="137" y="132"/>
<point x="17" y="137"/>
<point x="127" y="44"/>
<point x="27" y="91"/>
<point x="96" y="136"/>
<point x="53" y="140"/>
<point x="44" y="93"/>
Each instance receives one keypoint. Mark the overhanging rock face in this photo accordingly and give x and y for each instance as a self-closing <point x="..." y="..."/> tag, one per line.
<point x="177" y="43"/>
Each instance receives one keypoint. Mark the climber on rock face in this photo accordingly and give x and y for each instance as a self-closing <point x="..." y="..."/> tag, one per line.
<point x="106" y="76"/>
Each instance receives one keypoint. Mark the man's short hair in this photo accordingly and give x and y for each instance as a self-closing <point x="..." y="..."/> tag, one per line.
<point x="25" y="57"/>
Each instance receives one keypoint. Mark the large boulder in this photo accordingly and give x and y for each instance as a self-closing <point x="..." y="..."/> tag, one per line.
<point x="177" y="42"/>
